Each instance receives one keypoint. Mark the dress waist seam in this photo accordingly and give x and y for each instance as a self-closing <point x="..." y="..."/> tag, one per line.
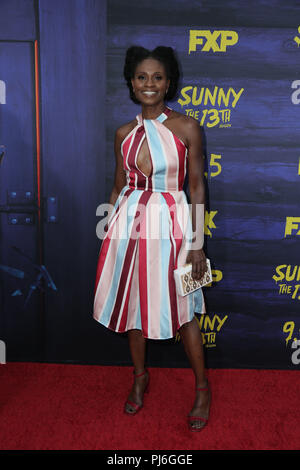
<point x="156" y="190"/>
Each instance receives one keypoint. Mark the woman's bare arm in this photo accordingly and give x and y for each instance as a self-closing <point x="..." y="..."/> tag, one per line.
<point x="120" y="174"/>
<point x="197" y="196"/>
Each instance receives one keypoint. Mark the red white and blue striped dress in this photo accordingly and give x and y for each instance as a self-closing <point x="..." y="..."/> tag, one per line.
<point x="148" y="236"/>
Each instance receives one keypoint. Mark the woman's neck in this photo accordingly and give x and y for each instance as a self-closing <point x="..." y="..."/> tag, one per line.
<point x="152" y="111"/>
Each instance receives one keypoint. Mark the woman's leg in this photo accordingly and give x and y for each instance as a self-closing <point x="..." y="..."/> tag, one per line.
<point x="137" y="346"/>
<point x="193" y="345"/>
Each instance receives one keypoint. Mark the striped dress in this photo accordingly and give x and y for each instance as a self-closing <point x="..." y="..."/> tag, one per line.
<point x="148" y="236"/>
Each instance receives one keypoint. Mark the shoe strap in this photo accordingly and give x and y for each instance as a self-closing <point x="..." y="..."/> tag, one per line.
<point x="140" y="375"/>
<point x="134" y="405"/>
<point x="203" y="388"/>
<point x="192" y="418"/>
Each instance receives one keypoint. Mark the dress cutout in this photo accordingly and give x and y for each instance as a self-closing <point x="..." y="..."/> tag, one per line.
<point x="148" y="236"/>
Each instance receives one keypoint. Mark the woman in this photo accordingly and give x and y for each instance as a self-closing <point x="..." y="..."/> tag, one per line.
<point x="135" y="289"/>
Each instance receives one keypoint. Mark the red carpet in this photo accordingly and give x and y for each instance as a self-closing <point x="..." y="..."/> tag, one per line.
<point x="57" y="407"/>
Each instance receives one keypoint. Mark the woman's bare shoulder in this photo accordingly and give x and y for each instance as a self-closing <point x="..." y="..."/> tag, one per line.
<point x="125" y="129"/>
<point x="185" y="127"/>
<point x="183" y="119"/>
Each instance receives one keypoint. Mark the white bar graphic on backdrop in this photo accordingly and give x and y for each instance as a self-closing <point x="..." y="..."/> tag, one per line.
<point x="2" y="92"/>
<point x="2" y="352"/>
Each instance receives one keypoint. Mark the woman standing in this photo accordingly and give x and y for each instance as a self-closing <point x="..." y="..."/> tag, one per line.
<point x="135" y="288"/>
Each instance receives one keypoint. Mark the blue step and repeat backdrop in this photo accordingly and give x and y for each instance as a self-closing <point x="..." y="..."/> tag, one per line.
<point x="241" y="81"/>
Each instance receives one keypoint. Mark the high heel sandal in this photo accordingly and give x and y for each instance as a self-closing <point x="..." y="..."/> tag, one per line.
<point x="193" y="419"/>
<point x="133" y="404"/>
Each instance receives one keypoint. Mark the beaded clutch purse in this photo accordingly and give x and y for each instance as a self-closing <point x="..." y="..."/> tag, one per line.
<point x="185" y="284"/>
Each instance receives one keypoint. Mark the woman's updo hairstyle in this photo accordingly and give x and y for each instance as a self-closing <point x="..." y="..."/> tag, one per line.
<point x="165" y="55"/>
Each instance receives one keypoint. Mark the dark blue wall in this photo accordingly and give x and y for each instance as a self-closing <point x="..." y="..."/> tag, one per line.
<point x="56" y="324"/>
<point x="72" y="58"/>
<point x="19" y="240"/>
<point x="83" y="99"/>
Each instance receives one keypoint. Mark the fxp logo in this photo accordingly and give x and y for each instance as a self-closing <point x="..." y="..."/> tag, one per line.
<point x="292" y="226"/>
<point x="297" y="38"/>
<point x="208" y="40"/>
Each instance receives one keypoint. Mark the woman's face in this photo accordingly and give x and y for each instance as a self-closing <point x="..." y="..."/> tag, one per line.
<point x="150" y="82"/>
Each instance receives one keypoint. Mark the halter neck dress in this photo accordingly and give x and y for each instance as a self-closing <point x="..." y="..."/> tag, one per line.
<point x="148" y="236"/>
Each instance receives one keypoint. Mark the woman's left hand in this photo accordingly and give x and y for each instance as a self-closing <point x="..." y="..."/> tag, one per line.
<point x="198" y="260"/>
